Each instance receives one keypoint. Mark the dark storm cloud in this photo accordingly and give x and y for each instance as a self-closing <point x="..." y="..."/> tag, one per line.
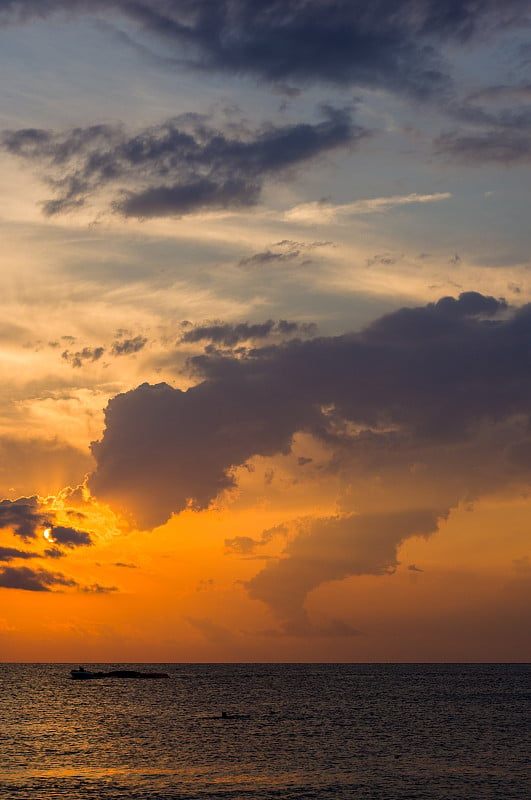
<point x="11" y="553"/>
<point x="126" y="347"/>
<point x="230" y="335"/>
<point x="86" y="355"/>
<point x="23" y="516"/>
<point x="332" y="549"/>
<point x="382" y="44"/>
<point x="426" y="375"/>
<point x="181" y="166"/>
<point x="38" y="580"/>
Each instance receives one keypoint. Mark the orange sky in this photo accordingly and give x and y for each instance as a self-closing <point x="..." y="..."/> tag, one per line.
<point x="265" y="324"/>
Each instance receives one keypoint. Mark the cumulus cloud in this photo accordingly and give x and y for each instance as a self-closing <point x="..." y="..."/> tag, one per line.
<point x="417" y="377"/>
<point x="428" y="402"/>
<point x="183" y="165"/>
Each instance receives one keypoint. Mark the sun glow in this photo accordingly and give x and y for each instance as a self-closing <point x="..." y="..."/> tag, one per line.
<point x="48" y="535"/>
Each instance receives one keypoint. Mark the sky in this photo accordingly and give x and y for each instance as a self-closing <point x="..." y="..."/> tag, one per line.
<point x="265" y="333"/>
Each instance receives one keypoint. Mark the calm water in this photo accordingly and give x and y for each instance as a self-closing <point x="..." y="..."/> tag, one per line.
<point x="378" y="732"/>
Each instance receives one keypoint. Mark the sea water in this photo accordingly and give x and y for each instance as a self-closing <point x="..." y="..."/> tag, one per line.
<point x="353" y="732"/>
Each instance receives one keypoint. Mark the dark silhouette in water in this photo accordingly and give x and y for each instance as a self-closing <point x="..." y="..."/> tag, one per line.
<point x="225" y="715"/>
<point x="83" y="674"/>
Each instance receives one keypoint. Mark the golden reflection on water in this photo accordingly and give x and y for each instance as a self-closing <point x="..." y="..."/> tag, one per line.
<point x="303" y="731"/>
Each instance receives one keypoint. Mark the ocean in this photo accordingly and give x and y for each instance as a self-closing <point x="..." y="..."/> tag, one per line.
<point x="292" y="732"/>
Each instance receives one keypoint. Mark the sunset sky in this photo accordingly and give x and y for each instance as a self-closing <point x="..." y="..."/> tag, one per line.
<point x="265" y="334"/>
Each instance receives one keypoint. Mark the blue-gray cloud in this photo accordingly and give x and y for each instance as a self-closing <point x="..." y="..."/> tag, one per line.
<point x="183" y="165"/>
<point x="382" y="44"/>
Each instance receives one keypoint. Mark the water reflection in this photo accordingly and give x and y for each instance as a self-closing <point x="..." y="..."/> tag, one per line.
<point x="391" y="732"/>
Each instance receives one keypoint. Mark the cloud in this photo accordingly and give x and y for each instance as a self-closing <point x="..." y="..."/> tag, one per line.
<point x="229" y="335"/>
<point x="48" y="464"/>
<point x="39" y="580"/>
<point x="286" y="251"/>
<point x="332" y="549"/>
<point x="87" y="354"/>
<point x="96" y="588"/>
<point x="126" y="347"/>
<point x="30" y="518"/>
<point x="505" y="147"/>
<point x="69" y="537"/>
<point x="497" y="127"/>
<point x="303" y="627"/>
<point x="54" y="552"/>
<point x="246" y="546"/>
<point x="24" y="517"/>
<point x="268" y="257"/>
<point x="214" y="633"/>
<point x="184" y="165"/>
<point x="449" y="373"/>
<point x="346" y="43"/>
<point x="42" y="580"/>
<point x="12" y="553"/>
<point x="324" y="212"/>
<point x="243" y="545"/>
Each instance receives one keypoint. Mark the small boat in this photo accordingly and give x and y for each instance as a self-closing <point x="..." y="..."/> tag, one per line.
<point x="83" y="674"/>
